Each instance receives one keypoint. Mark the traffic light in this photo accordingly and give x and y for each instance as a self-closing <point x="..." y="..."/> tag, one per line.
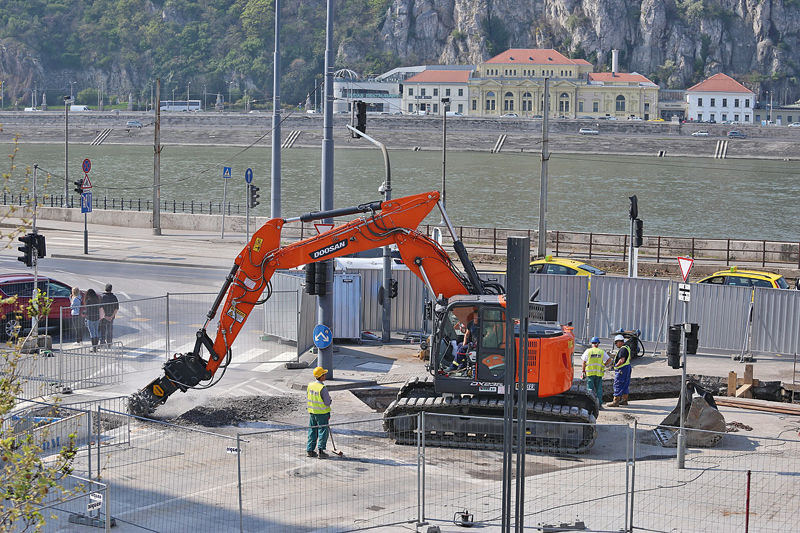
<point x="41" y="251"/>
<point x="321" y="278"/>
<point x="310" y="269"/>
<point x="638" y="232"/>
<point x="78" y="186"/>
<point x="361" y="116"/>
<point x="253" y="197"/>
<point x="393" y="288"/>
<point x="28" y="242"/>
<point x="634" y="212"/>
<point x="674" y="346"/>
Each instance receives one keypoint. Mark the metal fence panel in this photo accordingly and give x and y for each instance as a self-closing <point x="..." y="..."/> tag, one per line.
<point x="776" y="315"/>
<point x="722" y="312"/>
<point x="711" y="493"/>
<point x="347" y="306"/>
<point x="283" y="490"/>
<point x="406" y="308"/>
<point x="280" y="315"/>
<point x="628" y="303"/>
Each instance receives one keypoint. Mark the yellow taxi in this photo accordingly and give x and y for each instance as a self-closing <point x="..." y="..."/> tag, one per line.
<point x="746" y="278"/>
<point x="569" y="267"/>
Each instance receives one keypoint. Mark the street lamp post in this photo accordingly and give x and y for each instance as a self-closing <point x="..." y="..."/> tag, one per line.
<point x="71" y="84"/>
<point x="230" y="83"/>
<point x="173" y="95"/>
<point x="204" y="97"/>
<point x="67" y="102"/>
<point x="188" y="83"/>
<point x="445" y="107"/>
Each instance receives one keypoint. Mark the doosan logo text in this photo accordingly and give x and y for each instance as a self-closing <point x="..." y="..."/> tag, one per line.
<point x="328" y="249"/>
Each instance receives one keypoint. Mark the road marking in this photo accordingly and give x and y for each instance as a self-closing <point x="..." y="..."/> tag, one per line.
<point x="275" y="362"/>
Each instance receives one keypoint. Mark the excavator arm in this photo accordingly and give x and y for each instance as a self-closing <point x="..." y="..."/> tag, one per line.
<point x="380" y="224"/>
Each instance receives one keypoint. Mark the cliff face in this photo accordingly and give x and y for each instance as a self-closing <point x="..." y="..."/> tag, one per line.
<point x="676" y="41"/>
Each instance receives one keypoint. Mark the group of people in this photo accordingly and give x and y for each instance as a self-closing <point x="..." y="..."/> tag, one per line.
<point x="95" y="313"/>
<point x="596" y="361"/>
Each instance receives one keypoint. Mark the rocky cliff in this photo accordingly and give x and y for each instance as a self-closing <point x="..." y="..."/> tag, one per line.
<point x="677" y="42"/>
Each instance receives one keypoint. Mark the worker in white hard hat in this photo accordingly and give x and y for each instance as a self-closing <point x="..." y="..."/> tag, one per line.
<point x="622" y="372"/>
<point x="319" y="410"/>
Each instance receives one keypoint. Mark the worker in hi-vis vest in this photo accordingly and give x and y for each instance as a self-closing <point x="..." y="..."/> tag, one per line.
<point x="595" y="360"/>
<point x="319" y="409"/>
<point x="622" y="372"/>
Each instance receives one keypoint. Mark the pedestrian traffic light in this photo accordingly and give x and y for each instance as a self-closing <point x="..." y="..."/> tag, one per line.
<point x="638" y="232"/>
<point x="393" y="288"/>
<point x="253" y="197"/>
<point x="78" y="186"/>
<point x="361" y="116"/>
<point x="634" y="212"/>
<point x="28" y="242"/>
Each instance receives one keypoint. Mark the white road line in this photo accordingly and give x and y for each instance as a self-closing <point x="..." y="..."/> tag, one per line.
<point x="96" y="281"/>
<point x="155" y="345"/>
<point x="128" y="297"/>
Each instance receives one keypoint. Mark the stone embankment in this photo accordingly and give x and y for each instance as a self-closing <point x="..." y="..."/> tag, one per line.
<point x="409" y="133"/>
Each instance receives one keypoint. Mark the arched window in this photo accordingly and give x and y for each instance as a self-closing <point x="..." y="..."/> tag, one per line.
<point x="508" y="102"/>
<point x="563" y="103"/>
<point x="620" y="103"/>
<point x="527" y="103"/>
<point x="490" y="101"/>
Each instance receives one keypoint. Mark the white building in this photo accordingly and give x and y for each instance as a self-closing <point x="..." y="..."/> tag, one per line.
<point x="720" y="98"/>
<point x="423" y="92"/>
<point x="380" y="96"/>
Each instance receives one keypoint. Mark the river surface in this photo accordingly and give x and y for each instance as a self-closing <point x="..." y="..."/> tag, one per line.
<point x="703" y="197"/>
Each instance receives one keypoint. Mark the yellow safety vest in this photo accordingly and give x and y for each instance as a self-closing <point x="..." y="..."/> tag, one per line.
<point x="314" y="395"/>
<point x="594" y="363"/>
<point x="627" y="359"/>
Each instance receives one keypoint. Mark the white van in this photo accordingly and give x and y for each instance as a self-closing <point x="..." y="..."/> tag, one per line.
<point x="79" y="108"/>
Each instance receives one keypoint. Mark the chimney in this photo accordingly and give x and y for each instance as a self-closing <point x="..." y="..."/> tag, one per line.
<point x="614" y="62"/>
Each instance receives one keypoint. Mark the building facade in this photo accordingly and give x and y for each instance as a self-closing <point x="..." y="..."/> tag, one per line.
<point x="381" y="96"/>
<point x="424" y="93"/>
<point x="720" y="98"/>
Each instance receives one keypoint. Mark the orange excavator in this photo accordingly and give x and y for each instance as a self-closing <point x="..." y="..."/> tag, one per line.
<point x="463" y="381"/>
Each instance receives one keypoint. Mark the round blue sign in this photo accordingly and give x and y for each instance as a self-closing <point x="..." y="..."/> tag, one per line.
<point x="87" y="165"/>
<point x="323" y="336"/>
<point x="248" y="175"/>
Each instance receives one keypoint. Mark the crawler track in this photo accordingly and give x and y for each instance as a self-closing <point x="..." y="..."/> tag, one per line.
<point x="558" y="424"/>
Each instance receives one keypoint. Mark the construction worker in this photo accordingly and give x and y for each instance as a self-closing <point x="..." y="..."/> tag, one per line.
<point x="595" y="359"/>
<point x="319" y="409"/>
<point x="622" y="372"/>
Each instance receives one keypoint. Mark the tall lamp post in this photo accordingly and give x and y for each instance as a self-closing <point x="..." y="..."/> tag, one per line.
<point x="71" y="84"/>
<point x="445" y="107"/>
<point x="67" y="102"/>
<point x="230" y="83"/>
<point x="188" y="83"/>
<point x="204" y="97"/>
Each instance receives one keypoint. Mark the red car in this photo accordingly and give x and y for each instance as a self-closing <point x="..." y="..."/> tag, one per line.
<point x="14" y="318"/>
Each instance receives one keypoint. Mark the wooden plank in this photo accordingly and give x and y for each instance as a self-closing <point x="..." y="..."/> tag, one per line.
<point x="731" y="383"/>
<point x="745" y="391"/>
<point x="759" y="405"/>
<point x="741" y="381"/>
<point x="748" y="374"/>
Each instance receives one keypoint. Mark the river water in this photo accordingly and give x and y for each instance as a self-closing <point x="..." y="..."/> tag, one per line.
<point x="702" y="197"/>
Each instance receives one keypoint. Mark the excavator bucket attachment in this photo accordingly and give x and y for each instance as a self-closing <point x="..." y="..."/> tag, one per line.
<point x="701" y="414"/>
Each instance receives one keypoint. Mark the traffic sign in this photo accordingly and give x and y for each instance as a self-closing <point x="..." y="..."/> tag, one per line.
<point x="684" y="292"/>
<point x="96" y="496"/>
<point x="248" y="175"/>
<point x="87" y="165"/>
<point x="686" y="265"/>
<point x="227" y="172"/>
<point x="86" y="202"/>
<point x="323" y="336"/>
<point x="322" y="228"/>
<point x="86" y="183"/>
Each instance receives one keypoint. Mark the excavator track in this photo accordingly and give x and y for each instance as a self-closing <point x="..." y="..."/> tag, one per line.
<point x="485" y="431"/>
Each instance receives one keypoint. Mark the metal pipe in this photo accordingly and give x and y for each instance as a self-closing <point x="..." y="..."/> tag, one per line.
<point x="157" y="164"/>
<point x="275" y="181"/>
<point x="542" y="249"/>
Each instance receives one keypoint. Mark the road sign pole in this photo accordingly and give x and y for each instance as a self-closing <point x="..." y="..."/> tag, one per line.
<point x="224" y="197"/>
<point x="85" y="235"/>
<point x="682" y="432"/>
<point x="247" y="211"/>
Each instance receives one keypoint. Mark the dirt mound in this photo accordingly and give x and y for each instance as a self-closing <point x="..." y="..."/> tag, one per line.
<point x="235" y="411"/>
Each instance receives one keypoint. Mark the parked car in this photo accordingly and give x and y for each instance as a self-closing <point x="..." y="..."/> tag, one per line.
<point x="509" y="115"/>
<point x="454" y="114"/>
<point x="133" y="124"/>
<point x="537" y="116"/>
<point x="794" y="125"/>
<point x="700" y="134"/>
<point x="588" y="131"/>
<point x="636" y="119"/>
<point x="569" y="267"/>
<point x="735" y="134"/>
<point x="14" y="318"/>
<point x="746" y="278"/>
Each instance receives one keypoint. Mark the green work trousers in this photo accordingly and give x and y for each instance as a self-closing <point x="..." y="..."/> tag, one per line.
<point x="595" y="383"/>
<point x="318" y="432"/>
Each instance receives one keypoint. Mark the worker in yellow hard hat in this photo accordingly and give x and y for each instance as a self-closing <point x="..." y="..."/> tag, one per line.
<point x="319" y="410"/>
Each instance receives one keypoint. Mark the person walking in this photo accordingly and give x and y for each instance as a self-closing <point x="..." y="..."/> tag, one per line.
<point x="110" y="308"/>
<point x="595" y="360"/>
<point x="622" y="372"/>
<point x="76" y="318"/>
<point x="93" y="317"/>
<point x="319" y="410"/>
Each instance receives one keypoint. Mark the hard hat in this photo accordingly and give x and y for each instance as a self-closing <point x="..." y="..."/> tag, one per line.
<point x="595" y="340"/>
<point x="319" y="372"/>
<point x="617" y="338"/>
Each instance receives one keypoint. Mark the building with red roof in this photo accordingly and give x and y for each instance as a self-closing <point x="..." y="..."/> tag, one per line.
<point x="720" y="98"/>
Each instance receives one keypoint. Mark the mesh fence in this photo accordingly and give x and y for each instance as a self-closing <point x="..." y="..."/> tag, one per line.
<point x="166" y="477"/>
<point x="85" y="506"/>
<point x="744" y="482"/>
<point x="284" y="490"/>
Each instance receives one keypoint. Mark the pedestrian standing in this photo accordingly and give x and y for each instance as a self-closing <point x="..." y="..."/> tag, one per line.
<point x="622" y="372"/>
<point x="93" y="317"/>
<point x="319" y="409"/>
<point x="110" y="308"/>
<point x="76" y="318"/>
<point x="595" y="360"/>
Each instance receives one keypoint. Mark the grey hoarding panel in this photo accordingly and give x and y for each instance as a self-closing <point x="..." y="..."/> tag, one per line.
<point x="628" y="303"/>
<point x="776" y="321"/>
<point x="722" y="312"/>
<point x="406" y="307"/>
<point x="307" y="314"/>
<point x="346" y="306"/>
